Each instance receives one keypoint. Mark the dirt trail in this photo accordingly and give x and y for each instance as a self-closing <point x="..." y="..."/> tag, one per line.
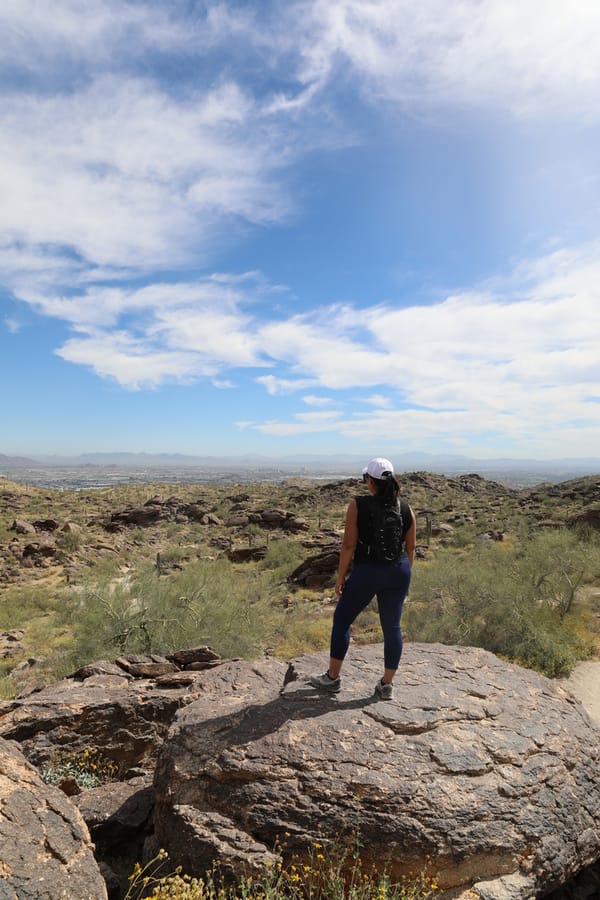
<point x="584" y="683"/>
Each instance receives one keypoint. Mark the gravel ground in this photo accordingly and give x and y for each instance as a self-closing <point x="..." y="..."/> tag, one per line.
<point x="584" y="682"/>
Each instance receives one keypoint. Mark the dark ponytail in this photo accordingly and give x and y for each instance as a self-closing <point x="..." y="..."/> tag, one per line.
<point x="388" y="489"/>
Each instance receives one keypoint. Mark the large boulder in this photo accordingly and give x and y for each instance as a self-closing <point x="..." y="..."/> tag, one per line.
<point x="488" y="770"/>
<point x="123" y="717"/>
<point x="318" y="571"/>
<point x="119" y="817"/>
<point x="589" y="518"/>
<point x="45" y="848"/>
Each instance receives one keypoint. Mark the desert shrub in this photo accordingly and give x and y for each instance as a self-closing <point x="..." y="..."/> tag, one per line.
<point x="171" y="557"/>
<point x="284" y="555"/>
<point x="304" y="630"/>
<point x="89" y="769"/>
<point x="69" y="541"/>
<point x="206" y="603"/>
<point x="331" y="873"/>
<point x="555" y="563"/>
<point x="20" y="603"/>
<point x="512" y="601"/>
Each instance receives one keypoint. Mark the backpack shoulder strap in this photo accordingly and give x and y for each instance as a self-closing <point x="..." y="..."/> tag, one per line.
<point x="406" y="514"/>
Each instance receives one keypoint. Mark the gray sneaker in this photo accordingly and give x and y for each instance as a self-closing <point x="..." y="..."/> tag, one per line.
<point x="325" y="683"/>
<point x="384" y="691"/>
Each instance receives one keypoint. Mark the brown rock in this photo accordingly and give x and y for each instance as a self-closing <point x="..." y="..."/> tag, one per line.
<point x="71" y="528"/>
<point x="318" y="571"/>
<point x="126" y="719"/>
<point x="23" y="527"/>
<point x="49" y="525"/>
<point x="589" y="518"/>
<point x="246" y="554"/>
<point x="142" y="516"/>
<point x="69" y="786"/>
<point x="145" y="666"/>
<point x="119" y="818"/>
<point x="495" y="769"/>
<point x="45" y="848"/>
<point x="100" y="667"/>
<point x="115" y="810"/>
<point x="39" y="550"/>
<point x="237" y="521"/>
<point x="183" y="658"/>
<point x="180" y="679"/>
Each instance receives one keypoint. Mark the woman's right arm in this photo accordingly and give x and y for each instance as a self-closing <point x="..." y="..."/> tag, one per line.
<point x="348" y="547"/>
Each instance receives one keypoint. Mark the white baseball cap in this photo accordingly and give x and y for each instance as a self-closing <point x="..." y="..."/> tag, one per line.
<point x="378" y="467"/>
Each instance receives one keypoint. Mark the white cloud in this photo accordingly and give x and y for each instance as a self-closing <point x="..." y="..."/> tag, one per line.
<point x="312" y="400"/>
<point x="134" y="363"/>
<point x="125" y="174"/>
<point x="107" y="166"/>
<point x="526" y="349"/>
<point x="162" y="332"/>
<point x="303" y="423"/>
<point x="331" y="357"/>
<point x="12" y="325"/>
<point x="527" y="58"/>
<point x="379" y="400"/>
<point x="276" y="386"/>
<point x="519" y="362"/>
<point x="114" y="172"/>
<point x="38" y="35"/>
<point x="530" y="59"/>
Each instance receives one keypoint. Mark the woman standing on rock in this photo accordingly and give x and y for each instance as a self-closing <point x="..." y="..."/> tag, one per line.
<point x="379" y="542"/>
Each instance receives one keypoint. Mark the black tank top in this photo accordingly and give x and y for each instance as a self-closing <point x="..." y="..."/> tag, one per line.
<point x="363" y="506"/>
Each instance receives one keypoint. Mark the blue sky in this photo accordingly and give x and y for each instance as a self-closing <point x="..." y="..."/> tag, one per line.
<point x="358" y="226"/>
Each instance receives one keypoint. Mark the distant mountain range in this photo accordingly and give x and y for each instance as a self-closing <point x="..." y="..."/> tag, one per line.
<point x="522" y="471"/>
<point x="16" y="462"/>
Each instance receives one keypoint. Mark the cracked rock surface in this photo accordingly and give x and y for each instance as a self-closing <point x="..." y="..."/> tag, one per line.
<point x="46" y="852"/>
<point x="490" y="770"/>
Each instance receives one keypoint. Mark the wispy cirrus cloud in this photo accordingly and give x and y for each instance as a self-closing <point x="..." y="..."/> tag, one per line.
<point x="140" y="139"/>
<point x="518" y="361"/>
<point x="119" y="166"/>
<point x="12" y="325"/>
<point x="525" y="59"/>
<point x="514" y="356"/>
<point x="123" y="175"/>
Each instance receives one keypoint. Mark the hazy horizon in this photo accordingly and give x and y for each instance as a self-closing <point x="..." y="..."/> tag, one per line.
<point x="103" y="470"/>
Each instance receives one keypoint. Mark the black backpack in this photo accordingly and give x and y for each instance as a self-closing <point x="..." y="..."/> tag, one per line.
<point x="387" y="532"/>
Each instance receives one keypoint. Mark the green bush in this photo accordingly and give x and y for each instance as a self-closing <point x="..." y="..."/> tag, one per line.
<point x="513" y="601"/>
<point x="206" y="603"/>
<point x="89" y="769"/>
<point x="284" y="555"/>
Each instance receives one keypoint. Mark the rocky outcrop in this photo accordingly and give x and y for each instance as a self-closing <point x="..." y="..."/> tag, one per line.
<point x="490" y="770"/>
<point x="119" y="818"/>
<point x="20" y="526"/>
<point x="246" y="554"/>
<point x="590" y="518"/>
<point x="319" y="570"/>
<point x="156" y="510"/>
<point x="123" y="707"/>
<point x="11" y="642"/>
<point x="45" y="847"/>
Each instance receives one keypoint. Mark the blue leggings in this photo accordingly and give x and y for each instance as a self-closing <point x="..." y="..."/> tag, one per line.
<point x="390" y="582"/>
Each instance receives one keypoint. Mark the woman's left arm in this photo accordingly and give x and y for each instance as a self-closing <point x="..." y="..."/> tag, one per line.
<point x="410" y="539"/>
